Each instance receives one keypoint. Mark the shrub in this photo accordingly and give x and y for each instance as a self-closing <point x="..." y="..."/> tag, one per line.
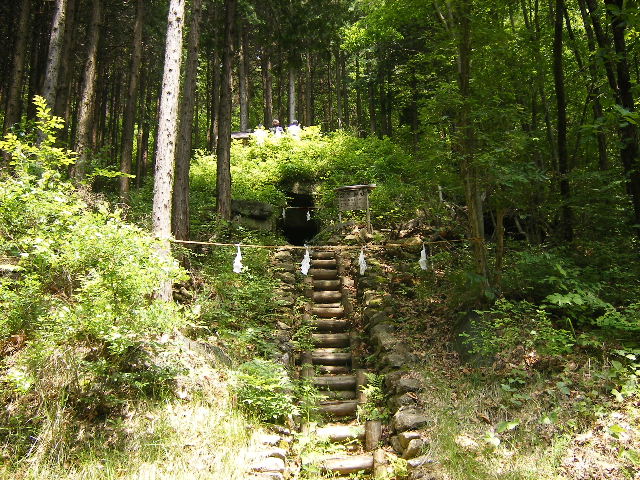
<point x="264" y="390"/>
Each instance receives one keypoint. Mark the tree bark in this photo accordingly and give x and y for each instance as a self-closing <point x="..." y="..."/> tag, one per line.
<point x="66" y="62"/>
<point x="223" y="151"/>
<point x="167" y="133"/>
<point x="267" y="88"/>
<point x="183" y="149"/>
<point x="628" y="131"/>
<point x="55" y="52"/>
<point x="14" y="96"/>
<point x="465" y="143"/>
<point x="292" y="93"/>
<point x="130" y="107"/>
<point x="88" y="94"/>
<point x="566" y="214"/>
<point x="243" y="77"/>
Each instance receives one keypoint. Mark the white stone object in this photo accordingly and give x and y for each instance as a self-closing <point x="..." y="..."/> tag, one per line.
<point x="308" y="215"/>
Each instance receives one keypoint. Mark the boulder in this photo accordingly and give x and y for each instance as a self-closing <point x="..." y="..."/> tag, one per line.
<point x="251" y="209"/>
<point x="406" y="437"/>
<point x="285" y="277"/>
<point x="419" y="461"/>
<point x="268" y="464"/>
<point x="413" y="448"/>
<point x="409" y="418"/>
<point x="398" y="401"/>
<point x="396" y="445"/>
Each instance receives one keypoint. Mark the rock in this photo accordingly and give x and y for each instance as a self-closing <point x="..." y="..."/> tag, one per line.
<point x="406" y="437"/>
<point x="391" y="379"/>
<point x="378" y="317"/>
<point x="467" y="443"/>
<point x="285" y="277"/>
<point x="280" y="453"/>
<point x="382" y="328"/>
<point x="269" y="464"/>
<point x="419" y="461"/>
<point x="269" y="439"/>
<point x="396" y="445"/>
<point x="398" y="401"/>
<point x="286" y="267"/>
<point x="283" y="326"/>
<point x="409" y="418"/>
<point x="267" y="476"/>
<point x="283" y="256"/>
<point x="408" y="384"/>
<point x="251" y="208"/>
<point x="383" y="340"/>
<point x="397" y="358"/>
<point x="413" y="448"/>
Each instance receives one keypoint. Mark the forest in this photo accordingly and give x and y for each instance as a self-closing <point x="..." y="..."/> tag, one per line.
<point x="156" y="314"/>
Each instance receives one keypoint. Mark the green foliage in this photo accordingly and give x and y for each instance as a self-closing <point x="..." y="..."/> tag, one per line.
<point x="81" y="295"/>
<point x="264" y="390"/>
<point x="374" y="408"/>
<point x="510" y="324"/>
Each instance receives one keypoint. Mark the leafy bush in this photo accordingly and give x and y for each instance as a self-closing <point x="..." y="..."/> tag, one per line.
<point x="511" y="324"/>
<point x="264" y="389"/>
<point x="79" y="308"/>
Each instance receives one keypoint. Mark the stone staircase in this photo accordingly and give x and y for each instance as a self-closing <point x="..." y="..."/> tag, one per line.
<point x="332" y="366"/>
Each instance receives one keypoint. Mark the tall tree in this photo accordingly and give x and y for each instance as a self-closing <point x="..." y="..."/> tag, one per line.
<point x="167" y="133"/>
<point x="243" y="75"/>
<point x="180" y="222"/>
<point x="88" y="93"/>
<point x="130" y="107"/>
<point x="223" y="180"/>
<point x="14" y="97"/>
<point x="566" y="221"/>
<point x="55" y="52"/>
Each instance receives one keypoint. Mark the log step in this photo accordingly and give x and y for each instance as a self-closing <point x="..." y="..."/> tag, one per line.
<point x="335" y="382"/>
<point x="329" y="305"/>
<point x="331" y="340"/>
<point x="341" y="395"/>
<point x="323" y="255"/>
<point x="322" y="274"/>
<point x="331" y="325"/>
<point x="326" y="285"/>
<point x="327" y="296"/>
<point x="340" y="433"/>
<point x="327" y="312"/>
<point x="339" y="408"/>
<point x="328" y="264"/>
<point x="346" y="465"/>
<point x="331" y="357"/>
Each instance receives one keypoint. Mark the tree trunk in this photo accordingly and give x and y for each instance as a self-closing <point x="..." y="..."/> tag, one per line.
<point x="88" y="94"/>
<point x="215" y="101"/>
<point x="628" y="130"/>
<point x="566" y="215"/>
<point x="358" y="99"/>
<point x="167" y="133"/>
<point x="55" y="52"/>
<point x="14" y="94"/>
<point x="183" y="148"/>
<point x="603" y="160"/>
<point x="267" y="88"/>
<point x="66" y="62"/>
<point x="243" y="77"/>
<point x="339" y="91"/>
<point x="310" y="118"/>
<point x="465" y="143"/>
<point x="223" y="151"/>
<point x="130" y="108"/>
<point x="292" y="93"/>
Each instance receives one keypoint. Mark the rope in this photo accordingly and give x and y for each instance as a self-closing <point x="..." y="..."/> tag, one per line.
<point x="320" y="247"/>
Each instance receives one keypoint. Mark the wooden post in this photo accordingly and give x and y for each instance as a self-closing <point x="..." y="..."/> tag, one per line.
<point x="379" y="464"/>
<point x="372" y="434"/>
<point x="307" y="365"/>
<point x="361" y="381"/>
<point x="369" y="229"/>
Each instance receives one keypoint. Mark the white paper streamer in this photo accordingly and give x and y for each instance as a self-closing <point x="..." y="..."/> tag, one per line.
<point x="306" y="262"/>
<point x="362" y="262"/>
<point x="423" y="258"/>
<point x="237" y="263"/>
<point x="284" y="213"/>
<point x="308" y="215"/>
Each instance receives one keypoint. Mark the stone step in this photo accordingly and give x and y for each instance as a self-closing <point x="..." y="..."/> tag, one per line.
<point x="339" y="408"/>
<point x="335" y="382"/>
<point x="323" y="274"/>
<point x="323" y="255"/>
<point x="327" y="296"/>
<point x="347" y="464"/>
<point x="327" y="312"/>
<point x="331" y="356"/>
<point x="319" y="285"/>
<point x="331" y="340"/>
<point x="340" y="395"/>
<point x="340" y="433"/>
<point x="330" y="264"/>
<point x="328" y="305"/>
<point x="333" y="325"/>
